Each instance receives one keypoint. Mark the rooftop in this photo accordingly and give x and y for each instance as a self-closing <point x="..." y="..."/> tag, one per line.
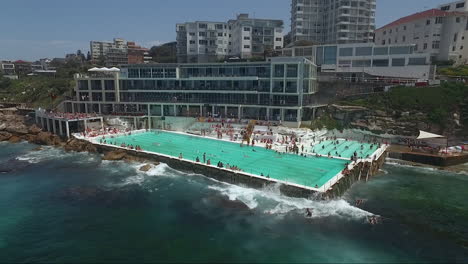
<point x="421" y="15"/>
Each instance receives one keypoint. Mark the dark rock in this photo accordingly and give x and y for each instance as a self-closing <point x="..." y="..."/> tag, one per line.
<point x="146" y="167"/>
<point x="5" y="135"/>
<point x="115" y="155"/>
<point x="14" y="139"/>
<point x="34" y="130"/>
<point x="79" y="146"/>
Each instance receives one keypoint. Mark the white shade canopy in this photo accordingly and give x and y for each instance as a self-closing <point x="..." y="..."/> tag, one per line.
<point x="93" y="69"/>
<point x="427" y="135"/>
<point x="114" y="69"/>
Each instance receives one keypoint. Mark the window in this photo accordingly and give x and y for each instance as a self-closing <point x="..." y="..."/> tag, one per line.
<point x="192" y="34"/>
<point x="400" y="50"/>
<point x="438" y="20"/>
<point x="417" y="61"/>
<point x="202" y="42"/>
<point x="460" y="5"/>
<point x="454" y="48"/>
<point x="435" y="44"/>
<point x="345" y="52"/>
<point x="362" y="63"/>
<point x="381" y="51"/>
<point x="202" y="34"/>
<point x="457" y="19"/>
<point x="385" y="32"/>
<point x="403" y="38"/>
<point x="455" y="37"/>
<point x="425" y="46"/>
<point x="246" y="38"/>
<point x="445" y="8"/>
<point x="363" y="51"/>
<point x="246" y="29"/>
<point x="246" y="46"/>
<point x="279" y="70"/>
<point x="329" y="55"/>
<point x="380" y="63"/>
<point x="398" y="62"/>
<point x="404" y="27"/>
<point x="220" y="34"/>
<point x="202" y="25"/>
<point x="192" y="42"/>
<point x="291" y="71"/>
<point x="461" y="47"/>
<point x="428" y="22"/>
<point x="279" y="39"/>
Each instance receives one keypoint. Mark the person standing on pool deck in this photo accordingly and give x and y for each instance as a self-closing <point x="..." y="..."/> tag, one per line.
<point x="204" y="157"/>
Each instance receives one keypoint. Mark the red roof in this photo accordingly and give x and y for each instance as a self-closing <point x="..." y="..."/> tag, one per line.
<point x="20" y="61"/>
<point x="421" y="15"/>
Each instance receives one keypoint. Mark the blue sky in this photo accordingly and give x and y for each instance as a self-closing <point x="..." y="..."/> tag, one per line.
<point x="33" y="29"/>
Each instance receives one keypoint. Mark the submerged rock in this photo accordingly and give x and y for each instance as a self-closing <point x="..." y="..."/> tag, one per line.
<point x="127" y="196"/>
<point x="146" y="167"/>
<point x="13" y="165"/>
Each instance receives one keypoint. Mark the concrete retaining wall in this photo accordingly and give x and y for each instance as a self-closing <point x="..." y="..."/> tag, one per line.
<point x="361" y="172"/>
<point x="238" y="178"/>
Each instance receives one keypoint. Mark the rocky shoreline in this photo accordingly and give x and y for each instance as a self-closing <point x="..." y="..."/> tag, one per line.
<point x="16" y="128"/>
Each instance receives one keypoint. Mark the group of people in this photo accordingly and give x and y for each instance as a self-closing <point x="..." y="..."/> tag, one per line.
<point x="69" y="116"/>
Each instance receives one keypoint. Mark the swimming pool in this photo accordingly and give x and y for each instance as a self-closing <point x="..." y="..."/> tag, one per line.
<point x="310" y="171"/>
<point x="345" y="148"/>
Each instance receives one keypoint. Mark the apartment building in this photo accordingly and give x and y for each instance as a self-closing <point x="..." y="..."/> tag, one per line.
<point x="118" y="52"/>
<point x="459" y="6"/>
<point x="333" y="21"/>
<point x="366" y="61"/>
<point x="442" y="34"/>
<point x="280" y="89"/>
<point x="7" y="68"/>
<point x="137" y="54"/>
<point x="243" y="37"/>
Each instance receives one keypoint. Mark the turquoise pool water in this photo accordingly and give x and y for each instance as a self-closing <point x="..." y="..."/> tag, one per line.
<point x="310" y="171"/>
<point x="345" y="148"/>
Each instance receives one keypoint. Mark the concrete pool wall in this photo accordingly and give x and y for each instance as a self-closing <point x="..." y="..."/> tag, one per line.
<point x="360" y="170"/>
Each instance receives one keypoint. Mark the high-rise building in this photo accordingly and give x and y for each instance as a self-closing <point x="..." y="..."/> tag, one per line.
<point x="333" y="21"/>
<point x="244" y="37"/>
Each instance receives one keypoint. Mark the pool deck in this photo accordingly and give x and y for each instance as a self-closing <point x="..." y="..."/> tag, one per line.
<point x="323" y="189"/>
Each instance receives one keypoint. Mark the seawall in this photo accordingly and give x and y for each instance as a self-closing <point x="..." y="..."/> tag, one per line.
<point x="244" y="179"/>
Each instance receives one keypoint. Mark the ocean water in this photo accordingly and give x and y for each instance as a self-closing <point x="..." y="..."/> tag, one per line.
<point x="73" y="207"/>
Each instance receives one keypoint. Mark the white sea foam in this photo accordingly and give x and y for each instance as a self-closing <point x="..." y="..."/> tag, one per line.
<point x="155" y="171"/>
<point x="268" y="200"/>
<point x="272" y="202"/>
<point x="51" y="153"/>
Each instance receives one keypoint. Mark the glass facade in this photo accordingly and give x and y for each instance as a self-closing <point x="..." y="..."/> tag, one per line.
<point x="282" y="82"/>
